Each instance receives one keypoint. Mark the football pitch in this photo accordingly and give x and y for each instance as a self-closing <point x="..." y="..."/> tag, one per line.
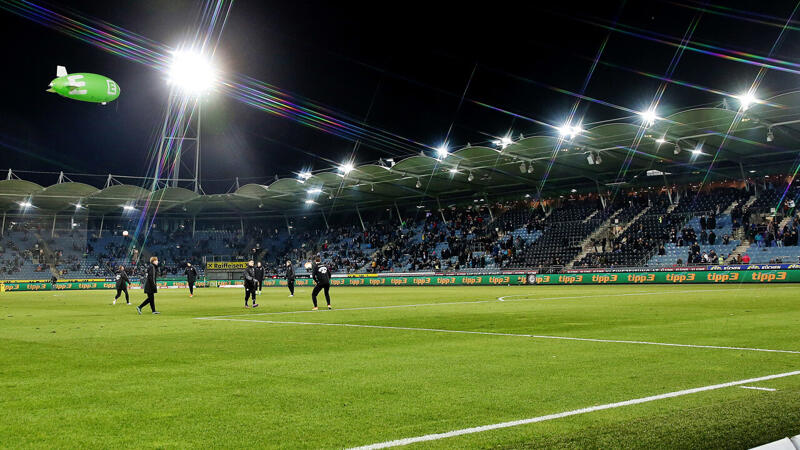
<point x="662" y="366"/>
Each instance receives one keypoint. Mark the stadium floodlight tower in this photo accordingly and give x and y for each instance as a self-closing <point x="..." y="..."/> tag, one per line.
<point x="191" y="77"/>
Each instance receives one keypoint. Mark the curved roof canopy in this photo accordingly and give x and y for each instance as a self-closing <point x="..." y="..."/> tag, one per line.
<point x="681" y="146"/>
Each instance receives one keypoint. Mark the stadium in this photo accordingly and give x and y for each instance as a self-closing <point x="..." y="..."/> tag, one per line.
<point x="620" y="273"/>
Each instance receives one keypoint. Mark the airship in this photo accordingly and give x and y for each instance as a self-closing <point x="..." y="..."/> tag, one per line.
<point x="86" y="87"/>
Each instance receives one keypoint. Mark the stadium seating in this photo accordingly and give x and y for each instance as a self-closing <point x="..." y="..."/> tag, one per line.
<point x="774" y="255"/>
<point x="515" y="234"/>
<point x="637" y="240"/>
<point x="660" y="223"/>
<point x="562" y="232"/>
<point x="675" y="252"/>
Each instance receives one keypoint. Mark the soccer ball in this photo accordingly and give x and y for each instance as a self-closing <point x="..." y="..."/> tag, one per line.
<point x="125" y="233"/>
<point x="307" y="265"/>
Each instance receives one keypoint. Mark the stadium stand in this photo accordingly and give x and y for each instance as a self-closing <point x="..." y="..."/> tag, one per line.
<point x="637" y="228"/>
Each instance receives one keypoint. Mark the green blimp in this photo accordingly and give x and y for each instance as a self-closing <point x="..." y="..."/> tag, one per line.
<point x="86" y="87"/>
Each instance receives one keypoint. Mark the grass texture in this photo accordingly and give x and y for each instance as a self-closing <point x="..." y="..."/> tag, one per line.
<point x="76" y="371"/>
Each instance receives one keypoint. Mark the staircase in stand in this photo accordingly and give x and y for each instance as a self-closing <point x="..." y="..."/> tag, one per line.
<point x="733" y="204"/>
<point x="740" y="233"/>
<point x="740" y="250"/>
<point x="671" y="207"/>
<point x="785" y="222"/>
<point x="750" y="202"/>
<point x="591" y="215"/>
<point x="636" y="217"/>
<point x="586" y="245"/>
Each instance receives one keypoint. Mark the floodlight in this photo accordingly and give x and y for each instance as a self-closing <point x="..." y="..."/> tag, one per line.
<point x="25" y="204"/>
<point x="503" y="142"/>
<point x="441" y="151"/>
<point x="573" y="190"/>
<point x="746" y="99"/>
<point x="570" y="131"/>
<point x="191" y="72"/>
<point x="594" y="158"/>
<point x="309" y="201"/>
<point x="454" y="170"/>
<point x="346" y="168"/>
<point x="128" y="208"/>
<point x="304" y="175"/>
<point x="697" y="150"/>
<point x="314" y="191"/>
<point x="648" y="117"/>
<point x="78" y="206"/>
<point x="752" y="171"/>
<point x="660" y="140"/>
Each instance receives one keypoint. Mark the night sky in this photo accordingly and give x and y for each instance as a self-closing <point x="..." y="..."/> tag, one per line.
<point x="410" y="61"/>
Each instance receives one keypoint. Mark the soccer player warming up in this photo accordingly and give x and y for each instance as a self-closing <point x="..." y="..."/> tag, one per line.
<point x="259" y="271"/>
<point x="250" y="284"/>
<point x="122" y="285"/>
<point x="191" y="277"/>
<point x="322" y="277"/>
<point x="290" y="278"/>
<point x="150" y="287"/>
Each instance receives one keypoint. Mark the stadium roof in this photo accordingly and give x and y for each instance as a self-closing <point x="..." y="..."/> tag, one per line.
<point x="709" y="143"/>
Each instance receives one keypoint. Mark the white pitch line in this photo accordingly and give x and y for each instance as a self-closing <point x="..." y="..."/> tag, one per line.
<point x="346" y="309"/>
<point x="515" y="423"/>
<point x="490" y="333"/>
<point x="758" y="388"/>
<point x="506" y="298"/>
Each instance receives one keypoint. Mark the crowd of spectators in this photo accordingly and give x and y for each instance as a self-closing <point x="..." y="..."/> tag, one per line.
<point x="771" y="234"/>
<point x="509" y="234"/>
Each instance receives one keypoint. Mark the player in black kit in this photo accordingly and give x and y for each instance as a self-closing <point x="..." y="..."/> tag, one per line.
<point x="191" y="277"/>
<point x="259" y="271"/>
<point x="322" y="277"/>
<point x="150" y="286"/>
<point x="290" y="278"/>
<point x="122" y="285"/>
<point x="250" y="284"/>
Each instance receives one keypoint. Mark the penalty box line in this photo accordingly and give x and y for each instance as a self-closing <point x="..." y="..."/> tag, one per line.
<point x="515" y="423"/>
<point x="491" y="333"/>
<point x="507" y="298"/>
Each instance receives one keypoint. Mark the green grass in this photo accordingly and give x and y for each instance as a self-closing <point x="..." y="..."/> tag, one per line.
<point x="78" y="372"/>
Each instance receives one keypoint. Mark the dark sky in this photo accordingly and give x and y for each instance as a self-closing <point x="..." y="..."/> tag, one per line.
<point x="410" y="60"/>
